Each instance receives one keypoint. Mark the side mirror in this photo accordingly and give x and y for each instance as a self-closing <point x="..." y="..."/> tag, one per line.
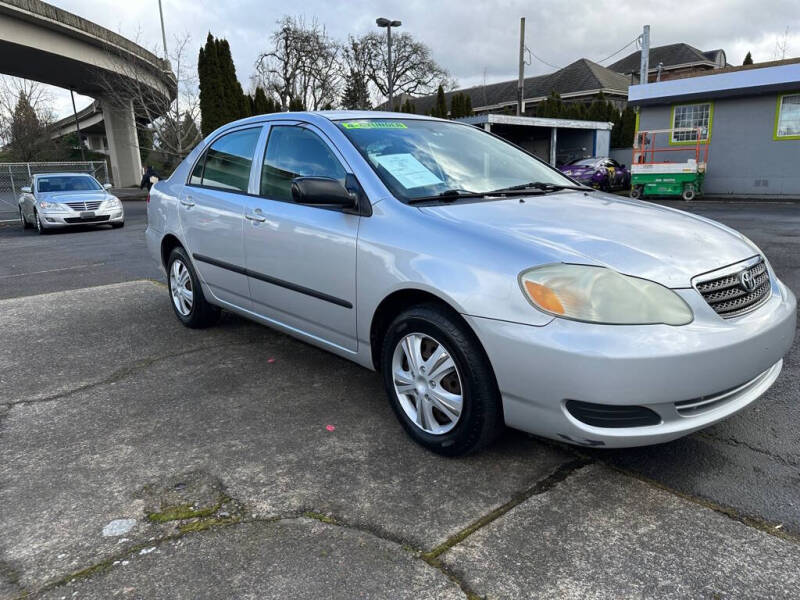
<point x="26" y="189"/>
<point x="322" y="191"/>
<point x="107" y="186"/>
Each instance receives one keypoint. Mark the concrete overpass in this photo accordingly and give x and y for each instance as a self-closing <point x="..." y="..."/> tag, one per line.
<point x="44" y="43"/>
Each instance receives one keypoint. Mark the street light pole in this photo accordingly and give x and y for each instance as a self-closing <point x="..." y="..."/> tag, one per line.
<point x="388" y="24"/>
<point x="163" y="31"/>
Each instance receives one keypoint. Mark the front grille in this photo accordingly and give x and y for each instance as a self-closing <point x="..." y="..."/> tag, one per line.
<point x="89" y="220"/>
<point x="610" y="415"/>
<point x="727" y="294"/>
<point x="93" y="205"/>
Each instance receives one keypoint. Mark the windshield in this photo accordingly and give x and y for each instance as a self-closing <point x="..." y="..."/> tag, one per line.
<point x="420" y="158"/>
<point x="583" y="162"/>
<point x="68" y="183"/>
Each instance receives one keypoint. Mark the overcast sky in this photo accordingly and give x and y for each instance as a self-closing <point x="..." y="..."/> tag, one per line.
<point x="470" y="39"/>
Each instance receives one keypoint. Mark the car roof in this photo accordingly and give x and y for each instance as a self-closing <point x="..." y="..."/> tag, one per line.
<point x="37" y="175"/>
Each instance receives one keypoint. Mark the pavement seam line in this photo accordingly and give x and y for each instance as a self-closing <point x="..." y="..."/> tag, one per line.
<point x="542" y="486"/>
<point x="107" y="563"/>
<point x="124" y="372"/>
<point x="768" y="527"/>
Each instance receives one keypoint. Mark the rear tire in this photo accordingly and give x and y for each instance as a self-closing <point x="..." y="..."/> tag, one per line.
<point x="688" y="193"/>
<point x="186" y="293"/>
<point x="636" y="191"/>
<point x="457" y="367"/>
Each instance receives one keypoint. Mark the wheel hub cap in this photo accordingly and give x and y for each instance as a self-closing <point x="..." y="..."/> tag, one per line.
<point x="427" y="383"/>
<point x="180" y="287"/>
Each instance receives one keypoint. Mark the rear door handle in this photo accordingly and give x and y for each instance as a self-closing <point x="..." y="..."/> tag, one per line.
<point x="187" y="202"/>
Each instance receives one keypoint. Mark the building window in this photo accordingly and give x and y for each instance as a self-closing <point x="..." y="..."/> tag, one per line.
<point x="787" y="117"/>
<point x="691" y="115"/>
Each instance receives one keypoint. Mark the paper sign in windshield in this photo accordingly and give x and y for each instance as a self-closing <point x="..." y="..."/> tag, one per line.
<point x="407" y="170"/>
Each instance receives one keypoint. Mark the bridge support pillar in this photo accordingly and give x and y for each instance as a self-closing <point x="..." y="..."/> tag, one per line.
<point x="123" y="144"/>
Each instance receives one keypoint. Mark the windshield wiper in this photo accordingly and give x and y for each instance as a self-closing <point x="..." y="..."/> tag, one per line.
<point x="447" y="196"/>
<point x="540" y="186"/>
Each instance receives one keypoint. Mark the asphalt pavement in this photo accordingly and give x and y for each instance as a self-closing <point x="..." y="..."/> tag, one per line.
<point x="145" y="460"/>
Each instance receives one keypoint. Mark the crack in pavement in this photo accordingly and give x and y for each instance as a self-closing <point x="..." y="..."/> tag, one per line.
<point x="732" y="441"/>
<point x="430" y="557"/>
<point x="124" y="372"/>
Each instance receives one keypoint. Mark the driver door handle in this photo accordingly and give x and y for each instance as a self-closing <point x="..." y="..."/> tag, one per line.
<point x="256" y="217"/>
<point x="187" y="201"/>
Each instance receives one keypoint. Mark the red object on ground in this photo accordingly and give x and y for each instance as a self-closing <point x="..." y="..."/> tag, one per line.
<point x="330" y="427"/>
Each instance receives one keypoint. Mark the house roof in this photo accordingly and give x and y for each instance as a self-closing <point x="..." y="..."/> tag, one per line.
<point x="582" y="76"/>
<point x="746" y="80"/>
<point x="670" y="55"/>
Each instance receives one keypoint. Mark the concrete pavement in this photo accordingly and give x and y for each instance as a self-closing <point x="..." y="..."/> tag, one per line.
<point x="145" y="460"/>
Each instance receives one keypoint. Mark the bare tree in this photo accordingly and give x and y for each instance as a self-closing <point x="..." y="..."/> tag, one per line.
<point x="303" y="64"/>
<point x="414" y="71"/>
<point x="38" y="96"/>
<point x="167" y="125"/>
<point x="781" y="45"/>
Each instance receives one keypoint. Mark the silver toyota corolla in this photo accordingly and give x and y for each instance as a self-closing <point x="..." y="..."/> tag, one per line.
<point x="486" y="287"/>
<point x="56" y="200"/>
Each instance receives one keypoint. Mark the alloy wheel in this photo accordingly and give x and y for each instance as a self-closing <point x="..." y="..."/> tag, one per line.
<point x="180" y="285"/>
<point x="427" y="383"/>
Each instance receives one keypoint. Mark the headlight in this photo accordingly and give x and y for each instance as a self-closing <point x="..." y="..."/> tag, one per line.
<point x="112" y="202"/>
<point x="601" y="295"/>
<point x="53" y="206"/>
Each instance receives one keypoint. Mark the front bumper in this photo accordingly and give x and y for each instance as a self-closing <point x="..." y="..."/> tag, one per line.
<point x="55" y="220"/>
<point x="539" y="368"/>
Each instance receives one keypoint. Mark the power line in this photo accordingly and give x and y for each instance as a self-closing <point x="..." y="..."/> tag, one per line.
<point x="551" y="65"/>
<point x="633" y="41"/>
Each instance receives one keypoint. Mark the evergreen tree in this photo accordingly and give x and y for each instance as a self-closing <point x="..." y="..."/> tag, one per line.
<point x="356" y="92"/>
<point x="261" y="104"/>
<point x="748" y="59"/>
<point x="408" y="107"/>
<point x="296" y="105"/>
<point x="552" y="107"/>
<point x="467" y="105"/>
<point x="440" y="108"/>
<point x="221" y="97"/>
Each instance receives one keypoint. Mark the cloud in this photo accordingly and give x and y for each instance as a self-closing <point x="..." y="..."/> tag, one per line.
<point x="469" y="39"/>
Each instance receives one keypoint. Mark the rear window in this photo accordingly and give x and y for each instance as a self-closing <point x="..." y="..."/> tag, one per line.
<point x="226" y="164"/>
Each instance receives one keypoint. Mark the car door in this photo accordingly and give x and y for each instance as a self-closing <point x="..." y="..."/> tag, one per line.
<point x="301" y="260"/>
<point x="212" y="213"/>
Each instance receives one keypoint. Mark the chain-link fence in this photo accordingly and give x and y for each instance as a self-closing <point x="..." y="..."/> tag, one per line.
<point x="13" y="176"/>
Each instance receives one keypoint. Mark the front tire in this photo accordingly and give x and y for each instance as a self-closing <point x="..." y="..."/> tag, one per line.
<point x="636" y="191"/>
<point x="688" y="193"/>
<point x="118" y="225"/>
<point x="25" y="224"/>
<point x="439" y="381"/>
<point x="39" y="229"/>
<point x="186" y="293"/>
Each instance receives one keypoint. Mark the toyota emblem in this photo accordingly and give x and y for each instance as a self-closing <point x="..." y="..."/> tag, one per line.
<point x="746" y="281"/>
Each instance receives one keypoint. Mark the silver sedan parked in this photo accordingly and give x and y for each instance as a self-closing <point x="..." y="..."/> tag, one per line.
<point x="486" y="287"/>
<point x="56" y="200"/>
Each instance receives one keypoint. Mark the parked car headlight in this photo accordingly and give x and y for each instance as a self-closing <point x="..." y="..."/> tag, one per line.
<point x="601" y="295"/>
<point x="112" y="202"/>
<point x="53" y="206"/>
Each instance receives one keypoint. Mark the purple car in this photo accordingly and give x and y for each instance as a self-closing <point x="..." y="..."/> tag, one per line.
<point x="602" y="173"/>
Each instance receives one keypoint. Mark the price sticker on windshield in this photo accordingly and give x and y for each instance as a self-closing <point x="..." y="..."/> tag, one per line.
<point x="407" y="170"/>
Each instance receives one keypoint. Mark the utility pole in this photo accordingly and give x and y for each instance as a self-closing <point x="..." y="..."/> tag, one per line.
<point x="521" y="82"/>
<point x="77" y="126"/>
<point x="644" y="64"/>
<point x="163" y="31"/>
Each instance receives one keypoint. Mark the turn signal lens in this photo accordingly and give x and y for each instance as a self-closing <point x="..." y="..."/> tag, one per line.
<point x="544" y="297"/>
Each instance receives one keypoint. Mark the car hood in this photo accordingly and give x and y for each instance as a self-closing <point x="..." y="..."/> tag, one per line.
<point x="633" y="237"/>
<point x="73" y="196"/>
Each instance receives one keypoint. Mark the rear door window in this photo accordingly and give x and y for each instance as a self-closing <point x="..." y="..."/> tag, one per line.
<point x="226" y="164"/>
